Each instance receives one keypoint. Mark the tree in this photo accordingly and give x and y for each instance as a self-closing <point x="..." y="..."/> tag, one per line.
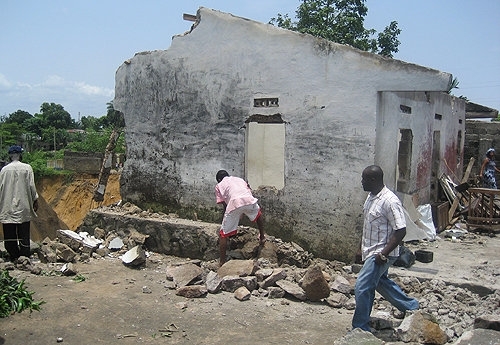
<point x="115" y="117"/>
<point x="54" y="115"/>
<point x="91" y="123"/>
<point x="341" y="21"/>
<point x="18" y="117"/>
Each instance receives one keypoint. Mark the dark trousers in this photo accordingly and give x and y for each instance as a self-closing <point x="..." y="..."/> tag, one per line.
<point x="17" y="239"/>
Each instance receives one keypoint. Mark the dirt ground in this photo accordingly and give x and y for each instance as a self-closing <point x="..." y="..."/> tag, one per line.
<point x="116" y="304"/>
<point x="119" y="305"/>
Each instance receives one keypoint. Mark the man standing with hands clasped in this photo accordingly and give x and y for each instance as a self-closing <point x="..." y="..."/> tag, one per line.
<point x="18" y="204"/>
<point x="383" y="230"/>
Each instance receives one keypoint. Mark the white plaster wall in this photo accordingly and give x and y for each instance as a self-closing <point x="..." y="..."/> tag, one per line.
<point x="185" y="108"/>
<point x="422" y="121"/>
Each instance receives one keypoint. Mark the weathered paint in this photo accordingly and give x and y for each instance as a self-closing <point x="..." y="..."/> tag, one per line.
<point x="185" y="110"/>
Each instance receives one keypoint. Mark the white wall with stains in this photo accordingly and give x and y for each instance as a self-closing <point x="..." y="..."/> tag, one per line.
<point x="185" y="110"/>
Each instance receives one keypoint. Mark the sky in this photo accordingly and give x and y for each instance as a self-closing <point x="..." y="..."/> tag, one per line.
<point x="67" y="52"/>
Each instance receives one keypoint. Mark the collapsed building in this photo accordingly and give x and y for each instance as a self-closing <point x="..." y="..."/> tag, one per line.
<point x="297" y="116"/>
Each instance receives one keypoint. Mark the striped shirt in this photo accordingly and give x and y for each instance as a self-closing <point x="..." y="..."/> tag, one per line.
<point x="383" y="214"/>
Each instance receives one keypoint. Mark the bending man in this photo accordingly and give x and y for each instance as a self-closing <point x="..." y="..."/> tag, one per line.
<point x="235" y="195"/>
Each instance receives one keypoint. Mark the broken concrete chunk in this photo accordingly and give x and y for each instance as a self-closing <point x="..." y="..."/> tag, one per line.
<point x="293" y="289"/>
<point x="278" y="274"/>
<point x="421" y="328"/>
<point x="213" y="282"/>
<point x="192" y="291"/>
<point x="69" y="269"/>
<point x="116" y="244"/>
<point x="237" y="267"/>
<point x="242" y="294"/>
<point x="315" y="284"/>
<point x="134" y="257"/>
<point x="184" y="274"/>
<point x="70" y="238"/>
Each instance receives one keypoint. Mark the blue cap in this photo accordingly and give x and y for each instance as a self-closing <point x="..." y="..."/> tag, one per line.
<point x="15" y="149"/>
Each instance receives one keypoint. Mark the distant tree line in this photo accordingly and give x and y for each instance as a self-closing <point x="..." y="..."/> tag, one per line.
<point x="47" y="134"/>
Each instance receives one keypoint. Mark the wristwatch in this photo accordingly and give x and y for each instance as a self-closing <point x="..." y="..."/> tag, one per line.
<point x="382" y="257"/>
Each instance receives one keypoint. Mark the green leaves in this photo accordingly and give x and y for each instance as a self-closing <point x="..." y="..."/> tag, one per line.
<point x="341" y="21"/>
<point x="14" y="298"/>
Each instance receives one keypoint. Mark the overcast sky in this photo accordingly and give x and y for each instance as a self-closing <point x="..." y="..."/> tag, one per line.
<point x="67" y="52"/>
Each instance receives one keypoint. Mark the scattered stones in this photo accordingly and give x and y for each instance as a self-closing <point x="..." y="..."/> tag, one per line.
<point x="447" y="311"/>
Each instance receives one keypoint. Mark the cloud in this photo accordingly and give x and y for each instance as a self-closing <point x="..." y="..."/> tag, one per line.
<point x="77" y="97"/>
<point x="4" y="83"/>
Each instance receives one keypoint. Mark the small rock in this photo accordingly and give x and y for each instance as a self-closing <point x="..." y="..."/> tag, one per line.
<point x="242" y="294"/>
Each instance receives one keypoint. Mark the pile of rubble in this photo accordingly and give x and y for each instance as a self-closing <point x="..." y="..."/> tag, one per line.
<point x="280" y="270"/>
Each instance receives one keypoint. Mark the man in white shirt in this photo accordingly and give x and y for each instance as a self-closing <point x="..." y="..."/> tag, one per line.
<point x="383" y="230"/>
<point x="18" y="204"/>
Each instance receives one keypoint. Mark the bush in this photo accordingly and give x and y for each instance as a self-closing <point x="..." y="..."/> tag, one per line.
<point x="14" y="298"/>
<point x="38" y="161"/>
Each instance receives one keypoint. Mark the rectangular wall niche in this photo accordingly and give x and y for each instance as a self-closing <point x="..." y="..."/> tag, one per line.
<point x="265" y="102"/>
<point x="265" y="154"/>
<point x="404" y="160"/>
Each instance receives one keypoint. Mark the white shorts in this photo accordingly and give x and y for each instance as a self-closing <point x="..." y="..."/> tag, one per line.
<point x="232" y="219"/>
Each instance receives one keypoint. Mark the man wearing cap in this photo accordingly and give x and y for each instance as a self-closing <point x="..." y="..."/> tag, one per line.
<point x="18" y="204"/>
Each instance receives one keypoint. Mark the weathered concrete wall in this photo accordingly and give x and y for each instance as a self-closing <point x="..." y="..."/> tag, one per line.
<point x="427" y="115"/>
<point x="83" y="162"/>
<point x="185" y="110"/>
<point x="179" y="237"/>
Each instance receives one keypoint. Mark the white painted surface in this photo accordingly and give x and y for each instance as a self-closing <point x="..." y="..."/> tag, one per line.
<point x="185" y="110"/>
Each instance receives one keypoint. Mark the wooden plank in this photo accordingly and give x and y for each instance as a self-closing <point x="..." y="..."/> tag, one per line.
<point x="465" y="178"/>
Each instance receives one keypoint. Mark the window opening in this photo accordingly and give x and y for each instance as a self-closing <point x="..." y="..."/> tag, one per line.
<point x="265" y="102"/>
<point x="405" y="109"/>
